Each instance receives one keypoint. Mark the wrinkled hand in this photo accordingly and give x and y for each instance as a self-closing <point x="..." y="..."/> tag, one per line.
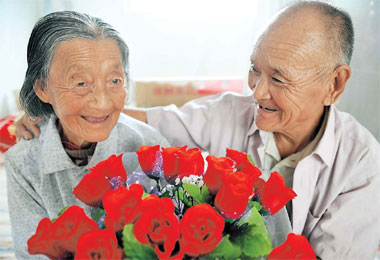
<point x="27" y="127"/>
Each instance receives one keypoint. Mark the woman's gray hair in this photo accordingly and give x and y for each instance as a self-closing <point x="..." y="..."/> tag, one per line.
<point x="48" y="32"/>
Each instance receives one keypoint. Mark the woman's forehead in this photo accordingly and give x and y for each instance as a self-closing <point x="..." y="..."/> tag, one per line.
<point x="84" y="48"/>
<point x="83" y="54"/>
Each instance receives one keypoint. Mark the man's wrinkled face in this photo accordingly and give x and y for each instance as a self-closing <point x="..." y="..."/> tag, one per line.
<point x="86" y="88"/>
<point x="289" y="78"/>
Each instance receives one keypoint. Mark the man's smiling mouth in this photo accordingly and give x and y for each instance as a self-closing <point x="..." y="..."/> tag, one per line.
<point x="267" y="109"/>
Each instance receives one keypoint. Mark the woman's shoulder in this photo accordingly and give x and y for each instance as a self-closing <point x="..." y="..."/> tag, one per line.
<point x="24" y="151"/>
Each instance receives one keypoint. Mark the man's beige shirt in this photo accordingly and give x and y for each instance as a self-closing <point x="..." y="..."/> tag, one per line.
<point x="338" y="183"/>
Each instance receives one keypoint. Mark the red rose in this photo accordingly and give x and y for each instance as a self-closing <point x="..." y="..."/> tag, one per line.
<point x="41" y="243"/>
<point x="158" y="226"/>
<point x="275" y="194"/>
<point x="258" y="186"/>
<point x="69" y="226"/>
<point x="147" y="156"/>
<point x="252" y="171"/>
<point x="201" y="230"/>
<point x="60" y="237"/>
<point x="233" y="197"/>
<point x="122" y="206"/>
<point x="217" y="168"/>
<point x="94" y="185"/>
<point x="295" y="247"/>
<point x="190" y="163"/>
<point x="100" y="244"/>
<point x="240" y="158"/>
<point x="7" y="140"/>
<point x="170" y="158"/>
<point x="153" y="202"/>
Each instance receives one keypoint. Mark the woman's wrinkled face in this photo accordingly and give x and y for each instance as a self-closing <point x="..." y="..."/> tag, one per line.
<point x="86" y="88"/>
<point x="289" y="80"/>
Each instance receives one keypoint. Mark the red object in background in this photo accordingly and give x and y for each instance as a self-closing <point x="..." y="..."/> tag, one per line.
<point x="7" y="140"/>
<point x="219" y="86"/>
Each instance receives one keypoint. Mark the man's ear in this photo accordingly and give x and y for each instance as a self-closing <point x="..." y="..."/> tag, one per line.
<point x="40" y="91"/>
<point x="337" y="83"/>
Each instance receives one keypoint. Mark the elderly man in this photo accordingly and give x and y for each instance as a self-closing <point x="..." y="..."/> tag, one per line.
<point x="300" y="66"/>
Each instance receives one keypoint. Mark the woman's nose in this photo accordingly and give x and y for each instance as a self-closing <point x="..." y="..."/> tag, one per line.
<point x="101" y="98"/>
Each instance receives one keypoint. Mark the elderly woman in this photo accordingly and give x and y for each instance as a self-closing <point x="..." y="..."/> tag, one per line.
<point x="76" y="78"/>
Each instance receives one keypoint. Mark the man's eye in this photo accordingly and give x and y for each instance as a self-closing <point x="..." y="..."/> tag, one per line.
<point x="276" y="80"/>
<point x="252" y="68"/>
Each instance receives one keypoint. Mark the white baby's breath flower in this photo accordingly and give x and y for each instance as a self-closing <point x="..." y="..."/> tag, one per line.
<point x="194" y="179"/>
<point x="177" y="181"/>
<point x="200" y="183"/>
<point x="186" y="179"/>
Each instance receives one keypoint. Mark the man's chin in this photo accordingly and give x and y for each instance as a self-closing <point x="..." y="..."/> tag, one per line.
<point x="265" y="126"/>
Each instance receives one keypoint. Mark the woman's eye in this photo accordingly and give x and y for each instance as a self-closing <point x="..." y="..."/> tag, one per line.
<point x="116" y="81"/>
<point x="81" y="84"/>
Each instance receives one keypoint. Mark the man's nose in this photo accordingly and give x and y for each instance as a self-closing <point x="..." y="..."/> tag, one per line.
<point x="261" y="90"/>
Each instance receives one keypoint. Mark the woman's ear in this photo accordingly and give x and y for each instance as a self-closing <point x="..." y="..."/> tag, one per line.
<point x="40" y="91"/>
<point x="337" y="84"/>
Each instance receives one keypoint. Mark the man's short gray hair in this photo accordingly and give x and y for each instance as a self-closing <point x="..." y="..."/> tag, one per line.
<point x="339" y="30"/>
<point x="47" y="33"/>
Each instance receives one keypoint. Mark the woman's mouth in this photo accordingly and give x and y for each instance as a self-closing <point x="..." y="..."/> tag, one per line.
<point x="95" y="119"/>
<point x="269" y="110"/>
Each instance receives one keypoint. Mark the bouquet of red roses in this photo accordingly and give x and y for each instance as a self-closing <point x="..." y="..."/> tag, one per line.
<point x="172" y="209"/>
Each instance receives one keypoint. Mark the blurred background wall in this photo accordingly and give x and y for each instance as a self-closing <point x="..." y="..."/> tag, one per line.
<point x="192" y="39"/>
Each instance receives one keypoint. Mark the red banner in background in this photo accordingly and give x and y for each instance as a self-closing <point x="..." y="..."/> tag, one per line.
<point x="7" y="139"/>
<point x="161" y="92"/>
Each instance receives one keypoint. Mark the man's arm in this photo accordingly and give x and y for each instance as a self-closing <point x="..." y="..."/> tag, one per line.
<point x="27" y="128"/>
<point x="136" y="113"/>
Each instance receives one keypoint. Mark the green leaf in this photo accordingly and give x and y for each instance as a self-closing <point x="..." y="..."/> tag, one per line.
<point x="206" y="196"/>
<point x="256" y="242"/>
<point x="194" y="191"/>
<point x="226" y="250"/>
<point x="62" y="210"/>
<point x="255" y="204"/>
<point x="250" y="159"/>
<point x="60" y="213"/>
<point x="133" y="248"/>
<point x="145" y="195"/>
